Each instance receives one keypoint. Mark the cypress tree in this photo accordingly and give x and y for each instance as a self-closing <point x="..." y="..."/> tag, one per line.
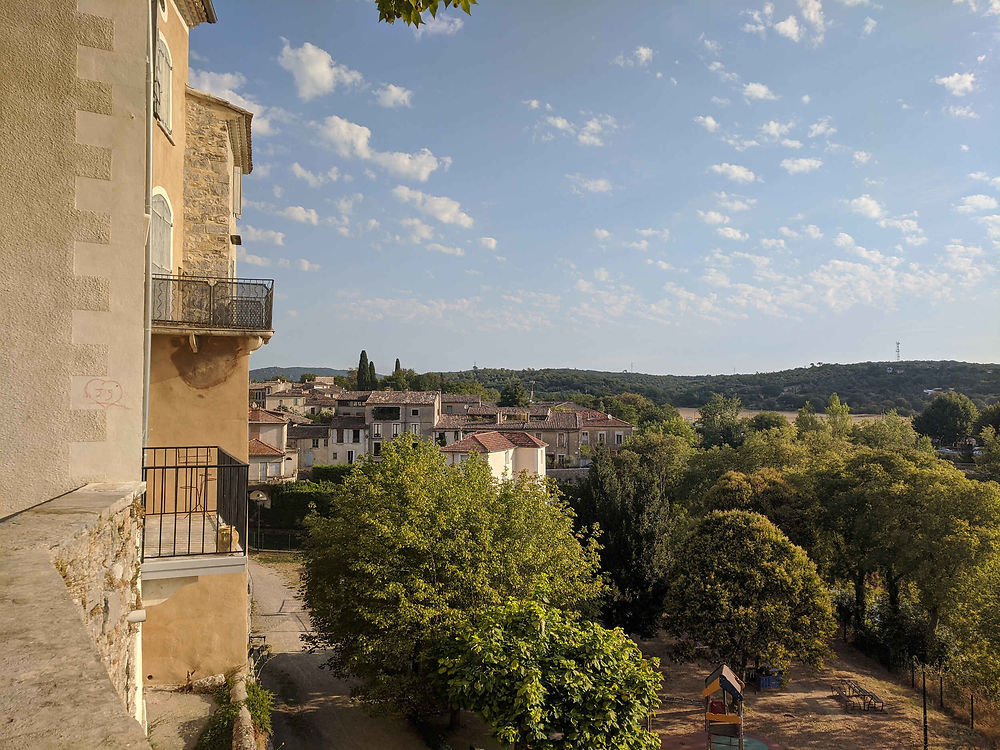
<point x="372" y="377"/>
<point x="363" y="372"/>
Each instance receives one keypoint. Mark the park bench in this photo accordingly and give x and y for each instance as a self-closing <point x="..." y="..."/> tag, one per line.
<point x="855" y="696"/>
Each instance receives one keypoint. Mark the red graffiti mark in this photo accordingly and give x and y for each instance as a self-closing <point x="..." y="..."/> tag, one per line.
<point x="104" y="392"/>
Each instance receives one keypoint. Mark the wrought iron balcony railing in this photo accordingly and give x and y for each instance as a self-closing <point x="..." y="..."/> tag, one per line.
<point x="196" y="502"/>
<point x="208" y="302"/>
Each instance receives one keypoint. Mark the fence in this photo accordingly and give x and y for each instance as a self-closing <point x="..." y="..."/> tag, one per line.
<point x="207" y="302"/>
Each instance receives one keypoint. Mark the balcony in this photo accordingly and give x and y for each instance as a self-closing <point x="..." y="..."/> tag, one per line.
<point x="196" y="503"/>
<point x="212" y="304"/>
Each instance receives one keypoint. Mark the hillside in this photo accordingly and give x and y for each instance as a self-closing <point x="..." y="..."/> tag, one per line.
<point x="292" y="373"/>
<point x="869" y="387"/>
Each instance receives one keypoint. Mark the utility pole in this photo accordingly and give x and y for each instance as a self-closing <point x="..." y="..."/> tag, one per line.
<point x="897" y="351"/>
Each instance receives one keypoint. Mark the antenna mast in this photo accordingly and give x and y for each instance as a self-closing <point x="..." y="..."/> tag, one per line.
<point x="897" y="351"/>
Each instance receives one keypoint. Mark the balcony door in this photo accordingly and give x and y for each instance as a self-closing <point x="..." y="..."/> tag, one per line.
<point x="161" y="233"/>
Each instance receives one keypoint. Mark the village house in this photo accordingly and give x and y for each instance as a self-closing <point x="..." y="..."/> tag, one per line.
<point x="271" y="460"/>
<point x="506" y="453"/>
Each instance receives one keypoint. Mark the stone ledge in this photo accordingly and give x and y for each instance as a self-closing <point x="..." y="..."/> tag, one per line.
<point x="56" y="692"/>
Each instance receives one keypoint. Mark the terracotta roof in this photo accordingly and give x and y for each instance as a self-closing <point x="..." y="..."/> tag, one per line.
<point x="260" y="448"/>
<point x="492" y="442"/>
<point x="524" y="440"/>
<point x="265" y="417"/>
<point x="290" y="393"/>
<point x="353" y="396"/>
<point x="297" y="431"/>
<point x="452" y="422"/>
<point x="461" y="398"/>
<point x="403" y="397"/>
<point x="347" y="423"/>
<point x="593" y="418"/>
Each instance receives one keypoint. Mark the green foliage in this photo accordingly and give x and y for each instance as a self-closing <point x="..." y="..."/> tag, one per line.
<point x="307" y="377"/>
<point x="948" y="419"/>
<point x="513" y="394"/>
<point x="766" y="420"/>
<point x="838" y="417"/>
<point x="363" y="370"/>
<point x="807" y="421"/>
<point x="542" y="680"/>
<point x="260" y="704"/>
<point x="292" y="502"/>
<point x="372" y="382"/>
<point x="411" y="11"/>
<point x="218" y="732"/>
<point x="335" y="473"/>
<point x="890" y="432"/>
<point x="629" y="496"/>
<point x="988" y="417"/>
<point x="988" y="463"/>
<point x="742" y="589"/>
<point x="415" y="548"/>
<point x="719" y="422"/>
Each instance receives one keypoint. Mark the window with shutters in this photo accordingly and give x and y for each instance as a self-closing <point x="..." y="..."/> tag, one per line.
<point x="161" y="234"/>
<point x="161" y="84"/>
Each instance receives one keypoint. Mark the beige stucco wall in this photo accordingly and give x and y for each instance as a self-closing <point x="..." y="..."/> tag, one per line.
<point x="531" y="460"/>
<point x="272" y="434"/>
<point x="168" y="150"/>
<point x="200" y="629"/>
<point x="200" y="398"/>
<point x="72" y="235"/>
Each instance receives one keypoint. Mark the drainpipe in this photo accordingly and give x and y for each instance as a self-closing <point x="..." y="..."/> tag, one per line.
<point x="147" y="338"/>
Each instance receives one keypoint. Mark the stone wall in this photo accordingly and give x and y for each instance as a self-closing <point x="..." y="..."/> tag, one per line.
<point x="100" y="566"/>
<point x="208" y="174"/>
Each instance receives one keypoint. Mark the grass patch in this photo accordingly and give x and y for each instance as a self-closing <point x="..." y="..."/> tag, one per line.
<point x="218" y="734"/>
<point x="277" y="558"/>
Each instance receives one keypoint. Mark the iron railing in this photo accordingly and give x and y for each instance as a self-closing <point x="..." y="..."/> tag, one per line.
<point x="196" y="502"/>
<point x="210" y="302"/>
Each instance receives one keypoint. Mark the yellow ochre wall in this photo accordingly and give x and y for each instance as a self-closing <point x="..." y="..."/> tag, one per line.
<point x="200" y="630"/>
<point x="200" y="398"/>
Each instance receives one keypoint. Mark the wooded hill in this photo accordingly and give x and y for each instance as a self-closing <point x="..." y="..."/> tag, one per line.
<point x="869" y="387"/>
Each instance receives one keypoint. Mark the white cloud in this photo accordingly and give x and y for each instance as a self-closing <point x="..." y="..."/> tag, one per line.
<point x="445" y="210"/>
<point x="958" y="84"/>
<point x="713" y="217"/>
<point x="823" y="126"/>
<point x="352" y="140"/>
<point x="867" y="206"/>
<point x="813" y="231"/>
<point x="392" y="96"/>
<point x="580" y="184"/>
<point x="601" y="274"/>
<point x="314" y="71"/>
<point x="302" y="173"/>
<point x="661" y="264"/>
<point x="601" y="234"/>
<point x="735" y="202"/>
<point x="489" y="243"/>
<point x="869" y="27"/>
<point x="300" y="214"/>
<point x="592" y="130"/>
<point x="731" y="233"/>
<point x="964" y="147"/>
<point x="775" y="129"/>
<point x="226" y="86"/>
<point x="797" y="166"/>
<point x="733" y="172"/>
<point x="812" y="13"/>
<point x="758" y="91"/>
<point x="419" y="231"/>
<point x="907" y="224"/>
<point x="965" y="262"/>
<point x="708" y="122"/>
<point x="304" y="265"/>
<point x="559" y="123"/>
<point x="983" y="177"/>
<point x="434" y="247"/>
<point x="975" y="203"/>
<point x="862" y="157"/>
<point x="252" y="234"/>
<point x="254" y="260"/>
<point x="791" y="143"/>
<point x="992" y="224"/>
<point x="720" y="69"/>
<point x="806" y="98"/>
<point x="720" y="100"/>
<point x="534" y="104"/>
<point x="965" y="113"/>
<point x="639" y="57"/>
<point x="789" y="233"/>
<point x="773" y="243"/>
<point x="662" y="234"/>
<point x="789" y="28"/>
<point x="714" y="47"/>
<point x="442" y="25"/>
<point x="642" y="245"/>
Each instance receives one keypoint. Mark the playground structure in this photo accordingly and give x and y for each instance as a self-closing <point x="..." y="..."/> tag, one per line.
<point x="723" y="696"/>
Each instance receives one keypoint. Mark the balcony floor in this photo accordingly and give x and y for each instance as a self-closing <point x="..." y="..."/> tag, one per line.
<point x="185" y="534"/>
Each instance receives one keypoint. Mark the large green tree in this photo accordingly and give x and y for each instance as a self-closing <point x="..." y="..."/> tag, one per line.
<point x="514" y="394"/>
<point x="719" y="421"/>
<point x="414" y="548"/>
<point x="547" y="681"/>
<point x="948" y="419"/>
<point x="363" y="372"/>
<point x="742" y="589"/>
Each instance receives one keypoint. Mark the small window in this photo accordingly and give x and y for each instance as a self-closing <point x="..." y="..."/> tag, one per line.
<point x="414" y="412"/>
<point x="334" y="455"/>
<point x="377" y="449"/>
<point x="602" y="438"/>
<point x="350" y="457"/>
<point x="326" y="442"/>
<point x="315" y="443"/>
<point x="584" y="438"/>
<point x="456" y="435"/>
<point x="619" y="438"/>
<point x="376" y="430"/>
<point x="161" y="84"/>
<point x="357" y="438"/>
<point x="561" y="439"/>
<point x="538" y="435"/>
<point x="447" y="409"/>
<point x="395" y="429"/>
<point x="415" y="429"/>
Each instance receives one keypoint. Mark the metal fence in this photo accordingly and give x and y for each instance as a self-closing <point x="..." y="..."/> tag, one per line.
<point x="196" y="502"/>
<point x="209" y="302"/>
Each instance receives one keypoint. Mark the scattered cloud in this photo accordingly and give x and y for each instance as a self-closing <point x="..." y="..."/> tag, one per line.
<point x="867" y="206"/>
<point x="592" y="131"/>
<point x="489" y="243"/>
<point x="445" y="210"/>
<point x="966" y="263"/>
<point x="789" y="28"/>
<point x="812" y="14"/>
<point x="253" y="234"/>
<point x="983" y="177"/>
<point x="708" y="122"/>
<point x="735" y="202"/>
<point x="813" y="231"/>
<point x="435" y="247"/>
<point x="314" y="180"/>
<point x="642" y="245"/>
<point x="823" y="126"/>
<point x="733" y="172"/>
<point x="228" y="86"/>
<point x="661" y="234"/>
<point x="419" y="231"/>
<point x="775" y="129"/>
<point x="242" y="256"/>
<point x="713" y="217"/>
<point x="392" y="96"/>
<point x="862" y="157"/>
<point x="965" y="113"/>
<point x="797" y="166"/>
<point x="976" y="203"/>
<point x="789" y="233"/>
<point x="300" y="214"/>
<point x="352" y="140"/>
<point x="773" y="243"/>
<point x="640" y="57"/>
<point x="304" y="265"/>
<point x="958" y="84"/>
<point x="869" y="26"/>
<point x="441" y="25"/>
<point x="992" y="224"/>
<point x="731" y="233"/>
<point x="758" y="91"/>
<point x="601" y="234"/>
<point x="791" y="143"/>
<point x="315" y="72"/>
<point x="580" y="184"/>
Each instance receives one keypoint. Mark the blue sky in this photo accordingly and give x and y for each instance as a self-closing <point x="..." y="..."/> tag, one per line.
<point x="681" y="187"/>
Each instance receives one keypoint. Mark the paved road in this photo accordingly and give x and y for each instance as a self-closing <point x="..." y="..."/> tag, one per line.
<point x="312" y="708"/>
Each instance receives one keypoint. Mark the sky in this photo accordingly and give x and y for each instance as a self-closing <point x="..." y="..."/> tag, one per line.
<point x="664" y="187"/>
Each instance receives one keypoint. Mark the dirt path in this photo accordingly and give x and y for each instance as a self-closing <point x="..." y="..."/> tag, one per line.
<point x="313" y="710"/>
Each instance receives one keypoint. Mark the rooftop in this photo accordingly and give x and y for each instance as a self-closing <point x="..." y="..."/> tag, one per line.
<point x="259" y="448"/>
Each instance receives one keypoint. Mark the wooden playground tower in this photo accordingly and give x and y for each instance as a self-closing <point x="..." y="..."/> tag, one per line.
<point x="723" y="714"/>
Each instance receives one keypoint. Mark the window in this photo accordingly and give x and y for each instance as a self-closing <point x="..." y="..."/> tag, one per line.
<point x="350" y="457"/>
<point x="561" y="439"/>
<point x="161" y="84"/>
<point x="538" y="435"/>
<point x="415" y="429"/>
<point x="447" y="410"/>
<point x="377" y="449"/>
<point x="326" y="442"/>
<point x="441" y="440"/>
<point x="376" y="430"/>
<point x="619" y="438"/>
<point x="274" y="468"/>
<point x="602" y="438"/>
<point x="161" y="233"/>
<point x="315" y="443"/>
<point x="237" y="192"/>
<point x="414" y="412"/>
<point x="333" y="455"/>
<point x="456" y="435"/>
<point x="584" y="438"/>
<point x="561" y="459"/>
<point x="395" y="429"/>
<point x="356" y="439"/>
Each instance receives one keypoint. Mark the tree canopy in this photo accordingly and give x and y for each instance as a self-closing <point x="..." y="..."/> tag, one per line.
<point x="411" y="11"/>
<point x="948" y="419"/>
<point x="513" y="394"/>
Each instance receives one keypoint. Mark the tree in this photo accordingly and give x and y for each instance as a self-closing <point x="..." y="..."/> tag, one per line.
<point x="889" y="432"/>
<point x="372" y="382"/>
<point x="719" y="421"/>
<point x="363" y="372"/>
<point x="807" y="421"/>
<point x="988" y="462"/>
<point x="838" y="417"/>
<point x="988" y="417"/>
<point x="766" y="420"/>
<point x="307" y="377"/>
<point x="415" y="548"/>
<point x="747" y="593"/>
<point x="947" y="419"/>
<point x="544" y="680"/>
<point x="513" y="394"/>
<point x="411" y="11"/>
